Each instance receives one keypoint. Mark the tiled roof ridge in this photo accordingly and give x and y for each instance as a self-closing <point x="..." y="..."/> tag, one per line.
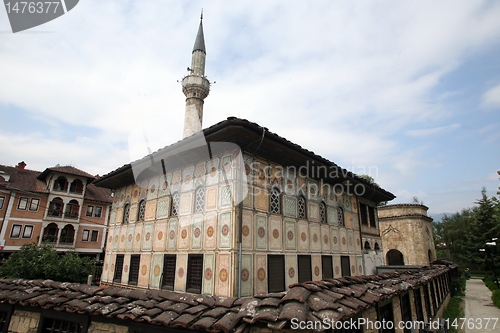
<point x="402" y="205"/>
<point x="405" y="215"/>
<point x="336" y="299"/>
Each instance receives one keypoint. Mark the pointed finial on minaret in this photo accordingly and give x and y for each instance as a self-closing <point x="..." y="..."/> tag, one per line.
<point x="201" y="17"/>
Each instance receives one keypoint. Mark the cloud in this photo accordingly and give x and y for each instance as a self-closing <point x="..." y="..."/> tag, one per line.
<point x="491" y="98"/>
<point x="432" y="131"/>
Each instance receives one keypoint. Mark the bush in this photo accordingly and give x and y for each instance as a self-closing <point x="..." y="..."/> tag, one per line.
<point x="496" y="298"/>
<point x="43" y="262"/>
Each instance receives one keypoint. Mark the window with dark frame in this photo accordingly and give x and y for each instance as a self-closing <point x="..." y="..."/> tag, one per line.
<point x="304" y="268"/>
<point x="2" y="199"/>
<point x="55" y="322"/>
<point x="98" y="211"/>
<point x="126" y="214"/>
<point x="371" y="215"/>
<point x="85" y="235"/>
<point x="301" y="204"/>
<point x="16" y="231"/>
<point x="56" y="207"/>
<point x="194" y="273"/>
<point x="60" y="184"/>
<point x="327" y="267"/>
<point x="176" y="199"/>
<point x="94" y="235"/>
<point x="406" y="310"/>
<point x="23" y="203"/>
<point x="340" y="216"/>
<point x="5" y="314"/>
<point x="417" y="296"/>
<point x="141" y="214"/>
<point x="28" y="231"/>
<point x="276" y="273"/>
<point x="90" y="211"/>
<point x="322" y="212"/>
<point x="117" y="277"/>
<point x="135" y="262"/>
<point x="275" y="200"/>
<point x="34" y="204"/>
<point x="169" y="265"/>
<point x="385" y="313"/>
<point x="345" y="265"/>
<point x="363" y="213"/>
<point x="76" y="186"/>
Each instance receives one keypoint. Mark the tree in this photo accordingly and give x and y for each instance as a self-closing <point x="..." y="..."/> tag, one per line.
<point x="43" y="262"/>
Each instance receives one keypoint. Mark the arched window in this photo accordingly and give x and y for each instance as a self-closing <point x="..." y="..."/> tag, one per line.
<point x="60" y="184"/>
<point x="275" y="200"/>
<point x="72" y="209"/>
<point x="199" y="197"/>
<point x="76" y="186"/>
<point x="322" y="212"/>
<point x="56" y="207"/>
<point x="376" y="247"/>
<point x="301" y="205"/>
<point x="50" y="233"/>
<point x="67" y="234"/>
<point x="395" y="257"/>
<point x="176" y="199"/>
<point x="126" y="214"/>
<point x="340" y="216"/>
<point x="367" y="245"/>
<point x="141" y="214"/>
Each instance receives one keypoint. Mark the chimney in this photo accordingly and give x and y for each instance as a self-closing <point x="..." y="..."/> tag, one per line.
<point x="20" y="166"/>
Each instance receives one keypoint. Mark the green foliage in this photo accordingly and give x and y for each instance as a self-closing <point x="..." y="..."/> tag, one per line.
<point x="453" y="311"/>
<point x="43" y="262"/>
<point x="496" y="298"/>
<point x="460" y="236"/>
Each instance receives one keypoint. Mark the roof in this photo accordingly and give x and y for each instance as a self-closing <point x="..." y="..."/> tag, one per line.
<point x="199" y="43"/>
<point x="330" y="299"/>
<point x="254" y="140"/>
<point x="32" y="181"/>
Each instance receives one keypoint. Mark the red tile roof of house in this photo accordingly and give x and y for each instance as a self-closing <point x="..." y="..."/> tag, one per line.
<point x="330" y="299"/>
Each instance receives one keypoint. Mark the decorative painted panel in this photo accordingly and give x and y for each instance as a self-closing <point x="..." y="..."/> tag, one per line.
<point x="317" y="273"/>
<point x="260" y="173"/>
<point x="348" y="219"/>
<point x="121" y="244"/>
<point x="290" y="206"/>
<point x="156" y="270"/>
<point x="225" y="195"/>
<point x="291" y="275"/>
<point x="129" y="243"/>
<point x="343" y="239"/>
<point x="137" y="240"/>
<point x="359" y="265"/>
<point x="289" y="183"/>
<point x="248" y="199"/>
<point x="261" y="232"/>
<point x="212" y="167"/>
<point x="260" y="274"/>
<point x="106" y="267"/>
<point x="275" y="176"/>
<point x="145" y="266"/>
<point x="330" y="197"/>
<point x="226" y="230"/>
<point x="352" y="260"/>
<point x="172" y="234"/>
<point x="133" y="214"/>
<point x="150" y="210"/>
<point x="331" y="214"/>
<point x="301" y="185"/>
<point x="312" y="190"/>
<point x="290" y="235"/>
<point x="350" y="240"/>
<point x="160" y="236"/>
<point x="197" y="230"/>
<point x="210" y="228"/>
<point x="152" y="189"/>
<point x="355" y="221"/>
<point x="186" y="203"/>
<point x="246" y="278"/>
<point x="354" y="204"/>
<point x="126" y="268"/>
<point x="303" y="236"/>
<point x="208" y="273"/>
<point x="347" y="202"/>
<point x="184" y="232"/>
<point x="199" y="173"/>
<point x="275" y="233"/>
<point x="357" y="242"/>
<point x="119" y="216"/>
<point x="226" y="170"/>
<point x="224" y="273"/>
<point x="315" y="237"/>
<point x="164" y="185"/>
<point x="313" y="210"/>
<point x="187" y="178"/>
<point x="261" y="199"/>
<point x="163" y="207"/>
<point x="211" y="198"/>
<point x="325" y="238"/>
<point x="337" y="271"/>
<point x="181" y="272"/>
<point x="335" y="239"/>
<point x="116" y="238"/>
<point x="247" y="230"/>
<point x="147" y="238"/>
<point x="112" y="219"/>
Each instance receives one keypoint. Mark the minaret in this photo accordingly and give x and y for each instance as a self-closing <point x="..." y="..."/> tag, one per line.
<point x="195" y="86"/>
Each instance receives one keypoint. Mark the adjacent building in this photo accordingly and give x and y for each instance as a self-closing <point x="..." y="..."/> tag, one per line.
<point x="59" y="206"/>
<point x="236" y="210"/>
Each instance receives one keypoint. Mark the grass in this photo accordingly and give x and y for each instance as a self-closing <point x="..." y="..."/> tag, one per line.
<point x="455" y="309"/>
<point x="489" y="281"/>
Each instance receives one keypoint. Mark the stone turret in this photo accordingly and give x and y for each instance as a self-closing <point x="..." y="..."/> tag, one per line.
<point x="195" y="86"/>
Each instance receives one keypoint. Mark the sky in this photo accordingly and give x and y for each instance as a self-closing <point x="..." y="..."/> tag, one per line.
<point x="405" y="91"/>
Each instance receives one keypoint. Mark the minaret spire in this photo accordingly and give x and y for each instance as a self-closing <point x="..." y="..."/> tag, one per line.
<point x="195" y="85"/>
